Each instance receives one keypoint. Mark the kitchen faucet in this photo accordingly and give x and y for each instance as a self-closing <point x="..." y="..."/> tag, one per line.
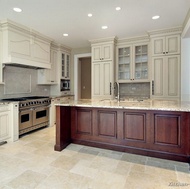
<point x="116" y="88"/>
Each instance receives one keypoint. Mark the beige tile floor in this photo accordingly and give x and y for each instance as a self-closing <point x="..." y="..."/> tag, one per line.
<point x="31" y="163"/>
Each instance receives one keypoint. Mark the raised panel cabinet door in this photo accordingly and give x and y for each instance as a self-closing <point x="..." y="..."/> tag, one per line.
<point x="158" y="76"/>
<point x="107" y="79"/>
<point x="84" y="121"/>
<point x="96" y="79"/>
<point x="169" y="127"/>
<point x="158" y="46"/>
<point x="134" y="127"/>
<point x="53" y="72"/>
<point x="107" y="52"/>
<point x="107" y="121"/>
<point x="173" y="76"/>
<point x="4" y="125"/>
<point x="173" y="44"/>
<point x="96" y="53"/>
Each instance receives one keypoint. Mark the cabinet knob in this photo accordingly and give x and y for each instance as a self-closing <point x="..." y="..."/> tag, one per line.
<point x="163" y="52"/>
<point x="166" y="52"/>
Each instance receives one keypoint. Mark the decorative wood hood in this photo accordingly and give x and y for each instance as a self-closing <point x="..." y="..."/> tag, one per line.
<point x="23" y="46"/>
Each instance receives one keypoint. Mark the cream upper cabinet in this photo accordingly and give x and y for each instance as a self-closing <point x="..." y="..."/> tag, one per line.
<point x="166" y="45"/>
<point x="102" y="77"/>
<point x="65" y="66"/>
<point x="49" y="76"/>
<point x="133" y="63"/>
<point x="24" y="46"/>
<point x="102" y="52"/>
<point x="166" y="77"/>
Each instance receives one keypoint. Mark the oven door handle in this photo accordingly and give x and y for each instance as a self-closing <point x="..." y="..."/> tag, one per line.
<point x="26" y="110"/>
<point x="41" y="108"/>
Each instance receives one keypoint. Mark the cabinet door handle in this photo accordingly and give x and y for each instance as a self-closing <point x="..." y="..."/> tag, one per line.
<point x="152" y="87"/>
<point x="110" y="88"/>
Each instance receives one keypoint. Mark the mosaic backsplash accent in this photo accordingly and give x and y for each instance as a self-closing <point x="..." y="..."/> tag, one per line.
<point x="21" y="82"/>
<point x="134" y="90"/>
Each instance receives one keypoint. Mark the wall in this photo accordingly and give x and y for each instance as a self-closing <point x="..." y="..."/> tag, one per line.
<point x="185" y="69"/>
<point x="85" y="78"/>
<point x="74" y="52"/>
<point x="21" y="82"/>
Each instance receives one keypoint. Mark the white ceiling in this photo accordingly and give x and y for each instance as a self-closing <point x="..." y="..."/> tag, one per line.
<point x="55" y="17"/>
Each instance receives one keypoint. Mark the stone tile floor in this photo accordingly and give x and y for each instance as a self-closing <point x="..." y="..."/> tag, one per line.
<point x="32" y="163"/>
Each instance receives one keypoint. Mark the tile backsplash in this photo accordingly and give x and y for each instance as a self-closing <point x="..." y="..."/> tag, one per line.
<point x="21" y="82"/>
<point x="134" y="90"/>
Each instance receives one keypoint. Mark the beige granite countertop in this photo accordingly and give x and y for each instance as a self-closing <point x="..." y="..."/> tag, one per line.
<point x="166" y="105"/>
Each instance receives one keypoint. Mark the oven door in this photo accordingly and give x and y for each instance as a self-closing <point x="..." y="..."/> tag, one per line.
<point x="40" y="115"/>
<point x="25" y="119"/>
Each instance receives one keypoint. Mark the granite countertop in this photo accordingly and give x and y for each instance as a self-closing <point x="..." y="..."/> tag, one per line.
<point x="59" y="96"/>
<point x="165" y="105"/>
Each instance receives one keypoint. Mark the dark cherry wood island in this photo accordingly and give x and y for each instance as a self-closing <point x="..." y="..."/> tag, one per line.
<point x="144" y="128"/>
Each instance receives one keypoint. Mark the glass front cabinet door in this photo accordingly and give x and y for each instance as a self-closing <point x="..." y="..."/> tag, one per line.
<point x="124" y="63"/>
<point x="141" y="62"/>
<point x="132" y="63"/>
<point x="65" y="66"/>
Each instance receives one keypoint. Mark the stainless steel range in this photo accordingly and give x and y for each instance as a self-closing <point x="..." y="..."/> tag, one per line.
<point x="33" y="112"/>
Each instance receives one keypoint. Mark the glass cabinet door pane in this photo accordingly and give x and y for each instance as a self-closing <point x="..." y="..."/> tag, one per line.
<point x="68" y="61"/>
<point x="141" y="62"/>
<point x="63" y="65"/>
<point x="124" y="63"/>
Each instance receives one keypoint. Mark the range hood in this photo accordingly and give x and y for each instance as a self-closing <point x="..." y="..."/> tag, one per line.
<point x="22" y="66"/>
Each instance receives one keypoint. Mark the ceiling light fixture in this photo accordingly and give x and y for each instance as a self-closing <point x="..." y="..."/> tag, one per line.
<point x="104" y="27"/>
<point x="65" y="34"/>
<point x="16" y="9"/>
<point x="155" y="17"/>
<point x="89" y="15"/>
<point x="118" y="8"/>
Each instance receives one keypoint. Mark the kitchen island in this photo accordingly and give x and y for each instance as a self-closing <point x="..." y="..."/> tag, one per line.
<point x="156" y="128"/>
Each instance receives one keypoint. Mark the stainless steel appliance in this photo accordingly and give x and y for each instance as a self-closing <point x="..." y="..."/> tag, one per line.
<point x="33" y="112"/>
<point x="65" y="85"/>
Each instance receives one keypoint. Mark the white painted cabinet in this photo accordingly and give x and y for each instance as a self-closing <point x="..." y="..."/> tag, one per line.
<point x="102" y="70"/>
<point x="166" y="45"/>
<point x="24" y="46"/>
<point x="102" y="52"/>
<point x="132" y="63"/>
<point x="65" y="66"/>
<point x="62" y="70"/>
<point x="166" y="63"/>
<point x="49" y="76"/>
<point x="102" y="79"/>
<point x="5" y="122"/>
<point x="53" y="107"/>
<point x="166" y="76"/>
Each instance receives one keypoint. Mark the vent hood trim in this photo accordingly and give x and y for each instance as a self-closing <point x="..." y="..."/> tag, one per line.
<point x="22" y="66"/>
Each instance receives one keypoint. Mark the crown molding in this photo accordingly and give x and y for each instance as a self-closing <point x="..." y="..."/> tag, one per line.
<point x="144" y="38"/>
<point x="176" y="30"/>
<point x="104" y="40"/>
<point x="13" y="26"/>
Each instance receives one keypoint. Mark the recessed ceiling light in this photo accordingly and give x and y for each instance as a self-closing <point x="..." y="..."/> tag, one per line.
<point x="104" y="27"/>
<point x="118" y="8"/>
<point x="16" y="9"/>
<point x="155" y="17"/>
<point x="89" y="15"/>
<point x="65" y="34"/>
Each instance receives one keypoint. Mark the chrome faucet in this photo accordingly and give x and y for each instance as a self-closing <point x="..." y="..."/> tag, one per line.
<point x="116" y="90"/>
